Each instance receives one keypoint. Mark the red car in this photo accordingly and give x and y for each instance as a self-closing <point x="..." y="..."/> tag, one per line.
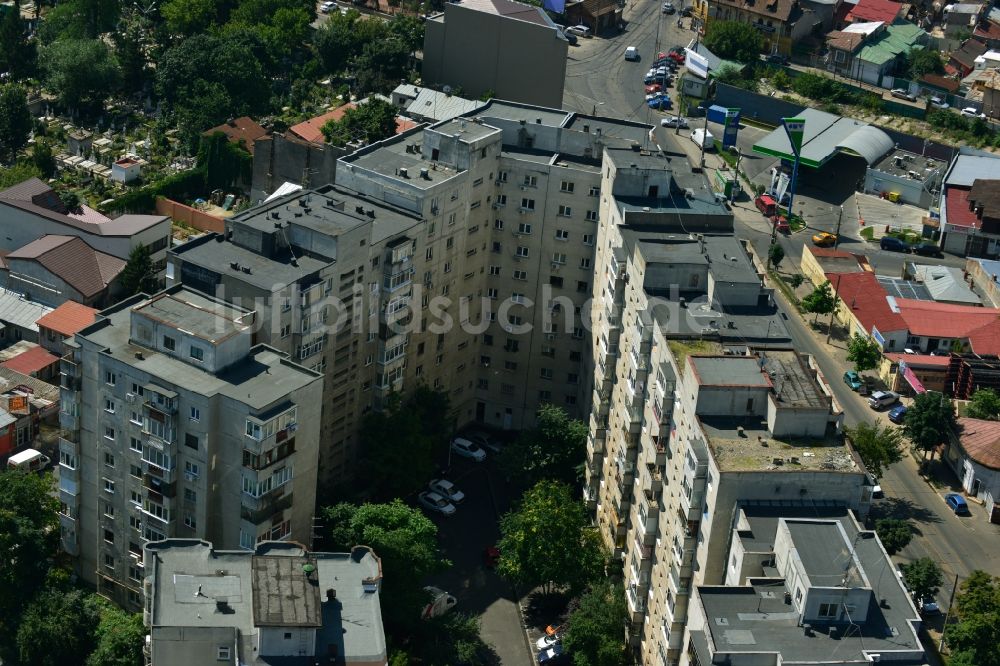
<point x="781" y="223"/>
<point x="676" y="57"/>
<point x="653" y="88"/>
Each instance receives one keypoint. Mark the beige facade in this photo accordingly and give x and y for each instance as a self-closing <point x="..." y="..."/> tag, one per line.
<point x="176" y="425"/>
<point x="507" y="47"/>
<point x="699" y="406"/>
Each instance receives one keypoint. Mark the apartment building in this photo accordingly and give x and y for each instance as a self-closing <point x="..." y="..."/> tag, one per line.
<point x="699" y="405"/>
<point x="176" y="425"/>
<point x="804" y="584"/>
<point x="458" y="255"/>
<point x="275" y="604"/>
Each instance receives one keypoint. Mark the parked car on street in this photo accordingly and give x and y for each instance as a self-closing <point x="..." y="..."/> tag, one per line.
<point x="661" y="102"/>
<point x="675" y="121"/>
<point x="668" y="8"/>
<point x="852" y="379"/>
<point x="903" y="94"/>
<point x="897" y="414"/>
<point x="548" y="641"/>
<point x="578" y="30"/>
<point x="927" y="250"/>
<point x="327" y="6"/>
<point x="893" y="244"/>
<point x="483" y="440"/>
<point x="446" y="489"/>
<point x="775" y="59"/>
<point x="436" y="503"/>
<point x="928" y="606"/>
<point x="824" y="239"/>
<point x="971" y="112"/>
<point x="553" y="655"/>
<point x="631" y="53"/>
<point x="957" y="504"/>
<point x="881" y="399"/>
<point x="467" y="449"/>
<point x="571" y="38"/>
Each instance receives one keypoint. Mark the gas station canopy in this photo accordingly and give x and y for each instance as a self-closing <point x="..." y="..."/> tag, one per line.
<point x="827" y="134"/>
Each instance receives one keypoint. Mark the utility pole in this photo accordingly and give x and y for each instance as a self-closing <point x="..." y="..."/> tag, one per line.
<point x="947" y="614"/>
<point x="704" y="139"/>
<point x="829" y="328"/>
<point x="836" y="236"/>
<point x="736" y="179"/>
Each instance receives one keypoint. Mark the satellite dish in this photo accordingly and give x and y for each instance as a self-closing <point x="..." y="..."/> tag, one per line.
<point x="447" y="90"/>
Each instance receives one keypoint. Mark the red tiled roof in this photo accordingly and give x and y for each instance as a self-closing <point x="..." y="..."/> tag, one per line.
<point x="921" y="360"/>
<point x="959" y="215"/>
<point x="69" y="318"/>
<point x="310" y="129"/>
<point x="980" y="440"/>
<point x="866" y="298"/>
<point x="243" y="130"/>
<point x="31" y="361"/>
<point x="943" y="82"/>
<point x="944" y="320"/>
<point x="867" y="11"/>
<point x="991" y="31"/>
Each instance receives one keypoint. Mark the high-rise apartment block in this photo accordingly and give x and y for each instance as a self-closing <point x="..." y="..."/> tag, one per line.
<point x="459" y="255"/>
<point x="700" y="407"/>
<point x="176" y="425"/>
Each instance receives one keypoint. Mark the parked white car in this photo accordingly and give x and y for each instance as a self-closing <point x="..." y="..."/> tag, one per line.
<point x="436" y="503"/>
<point x="631" y="53"/>
<point x="327" y="7"/>
<point x="939" y="103"/>
<point x="578" y="30"/>
<point x="467" y="449"/>
<point x="441" y="602"/>
<point x="447" y="489"/>
<point x="971" y="112"/>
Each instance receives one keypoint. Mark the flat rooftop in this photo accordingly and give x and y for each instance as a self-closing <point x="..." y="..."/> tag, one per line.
<point x="214" y="254"/>
<point x="539" y="115"/>
<point x="464" y="129"/>
<point x="825" y="553"/>
<point x="754" y="448"/>
<point x="609" y="127"/>
<point x="258" y="380"/>
<point x="402" y="152"/>
<point x="193" y="313"/>
<point x="904" y="164"/>
<point x="728" y="371"/>
<point x="795" y="384"/>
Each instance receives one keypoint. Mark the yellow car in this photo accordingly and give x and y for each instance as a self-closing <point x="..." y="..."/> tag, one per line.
<point x="823" y="239"/>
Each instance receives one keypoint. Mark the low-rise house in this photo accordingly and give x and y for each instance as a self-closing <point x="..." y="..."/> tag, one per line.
<point x="125" y="170"/>
<point x="902" y="372"/>
<point x="55" y="269"/>
<point x="871" y="51"/>
<point x="960" y="20"/>
<point x="988" y="32"/>
<point x="274" y="604"/>
<point x="970" y="221"/>
<point x="874" y="11"/>
<point x="779" y="21"/>
<point x="974" y="454"/>
<point x="818" y="261"/>
<point x="962" y="61"/>
<point x="25" y="404"/>
<point x="18" y="317"/>
<point x="36" y="362"/>
<point x="64" y="322"/>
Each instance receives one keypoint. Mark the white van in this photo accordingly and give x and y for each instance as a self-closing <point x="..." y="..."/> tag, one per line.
<point x="631" y="53"/>
<point x="29" y="460"/>
<point x="702" y="136"/>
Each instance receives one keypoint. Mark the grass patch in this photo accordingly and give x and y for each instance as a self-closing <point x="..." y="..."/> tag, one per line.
<point x="910" y="237"/>
<point x="796" y="223"/>
<point x="681" y="349"/>
<point x="868" y="234"/>
<point x="785" y="289"/>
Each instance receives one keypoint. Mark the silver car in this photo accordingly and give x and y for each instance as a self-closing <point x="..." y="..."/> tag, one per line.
<point x="434" y="502"/>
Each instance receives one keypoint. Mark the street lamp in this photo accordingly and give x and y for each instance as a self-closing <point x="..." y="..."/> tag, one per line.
<point x="596" y="104"/>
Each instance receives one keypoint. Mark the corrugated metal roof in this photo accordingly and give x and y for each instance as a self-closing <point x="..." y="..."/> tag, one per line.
<point x="439" y="106"/>
<point x="968" y="168"/>
<point x="946" y="283"/>
<point x="17" y="310"/>
<point x="869" y="142"/>
<point x="825" y="134"/>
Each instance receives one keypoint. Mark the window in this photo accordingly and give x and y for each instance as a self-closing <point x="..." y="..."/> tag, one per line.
<point x="591" y="216"/>
<point x="135" y="573"/>
<point x="497" y="247"/>
<point x="828" y="610"/>
<point x="109" y="561"/>
<point x="562" y="234"/>
<point x="135" y="498"/>
<point x="197" y="353"/>
<point x="449" y="243"/>
<point x="494" y="270"/>
<point x="286" y="330"/>
<point x="559" y="258"/>
<point x="190" y="495"/>
<point x="222" y="654"/>
<point x="447" y="267"/>
<point x="195" y="414"/>
<point x="191" y="469"/>
<point x="517" y="298"/>
<point x="498" y="225"/>
<point x="585" y="263"/>
<point x="191" y="441"/>
<point x="507" y="389"/>
<point x="501" y="200"/>
<point x="510" y="365"/>
<point x="109" y="459"/>
<point x="135" y="471"/>
<point x="530" y="181"/>
<point x="67" y="460"/>
<point x="555" y="281"/>
<point x="492" y="293"/>
<point x="169" y="343"/>
<point x="546" y="373"/>
<point x="520" y="275"/>
<point x="484" y="361"/>
<point x="135" y="444"/>
<point x="110" y="378"/>
<point x="482" y="384"/>
<point x="135" y="417"/>
<point x="566" y="186"/>
<point x="109" y="405"/>
<point x="109" y="536"/>
<point x="522" y="251"/>
<point x="109" y="510"/>
<point x="565" y="211"/>
<point x="548" y="351"/>
<point x="588" y="239"/>
<point x="512" y="345"/>
<point x="527" y="204"/>
<point x="583" y="287"/>
<point x="571" y="400"/>
<point x="594" y="191"/>
<point x="502" y="177"/>
<point x="572" y="378"/>
<point x="189" y="521"/>
<point x="109" y="433"/>
<point x="524" y="228"/>
<point x="578" y="332"/>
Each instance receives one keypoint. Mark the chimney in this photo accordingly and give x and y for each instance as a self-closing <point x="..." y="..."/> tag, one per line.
<point x="331" y="594"/>
<point x="403" y="173"/>
<point x="425" y="174"/>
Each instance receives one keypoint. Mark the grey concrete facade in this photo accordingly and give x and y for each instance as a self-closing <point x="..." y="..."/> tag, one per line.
<point x="280" y="158"/>
<point x="503" y="46"/>
<point x="174" y="425"/>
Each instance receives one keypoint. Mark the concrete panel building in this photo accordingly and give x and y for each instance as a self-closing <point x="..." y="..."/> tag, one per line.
<point x="503" y="46"/>
<point x="275" y="604"/>
<point x="176" y="425"/>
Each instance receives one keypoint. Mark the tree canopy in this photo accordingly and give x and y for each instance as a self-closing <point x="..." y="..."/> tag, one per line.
<point x="547" y="540"/>
<point x="923" y="578"/>
<point x="369" y="122"/>
<point x="928" y="421"/>
<point x="138" y="275"/>
<point x="863" y="352"/>
<point x="734" y="40"/>
<point x="919" y="62"/>
<point x="82" y="72"/>
<point x="776" y="254"/>
<point x="15" y="121"/>
<point x="894" y="534"/>
<point x="554" y="449"/>
<point x="594" y="630"/>
<point x="974" y="638"/>
<point x="984" y="404"/>
<point x="820" y="301"/>
<point x="58" y="628"/>
<point x="878" y="445"/>
<point x="17" y="52"/>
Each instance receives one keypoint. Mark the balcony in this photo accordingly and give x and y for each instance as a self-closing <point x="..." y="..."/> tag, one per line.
<point x="264" y="507"/>
<point x="159" y="486"/>
<point x="68" y="421"/>
<point x="164" y="402"/>
<point x="636" y="604"/>
<point x="652" y="480"/>
<point x="69" y="486"/>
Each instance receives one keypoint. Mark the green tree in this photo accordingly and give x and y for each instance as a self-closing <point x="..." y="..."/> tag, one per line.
<point x="130" y="51"/>
<point x="732" y="76"/>
<point x="974" y="638"/>
<point x="406" y="541"/>
<point x="226" y="164"/>
<point x="554" y="449"/>
<point x="336" y="41"/>
<point x="821" y="301"/>
<point x="595" y="630"/>
<point x="43" y="159"/>
<point x="382" y="65"/>
<point x="17" y="52"/>
<point x="775" y="254"/>
<point x="119" y="637"/>
<point x="58" y="628"/>
<point x="781" y="80"/>
<point x="548" y="540"/>
<point x="734" y="40"/>
<point x="984" y="404"/>
<point x="404" y="441"/>
<point x="18" y="173"/>
<point x="70" y="199"/>
<point x="923" y="578"/>
<point x="918" y="62"/>
<point x="894" y="534"/>
<point x="372" y="121"/>
<point x="863" y="352"/>
<point x="138" y="275"/>
<point x="879" y="446"/>
<point x="82" y="72"/>
<point x="189" y="17"/>
<point x="15" y="121"/>
<point x="928" y="421"/>
<point x="29" y="537"/>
